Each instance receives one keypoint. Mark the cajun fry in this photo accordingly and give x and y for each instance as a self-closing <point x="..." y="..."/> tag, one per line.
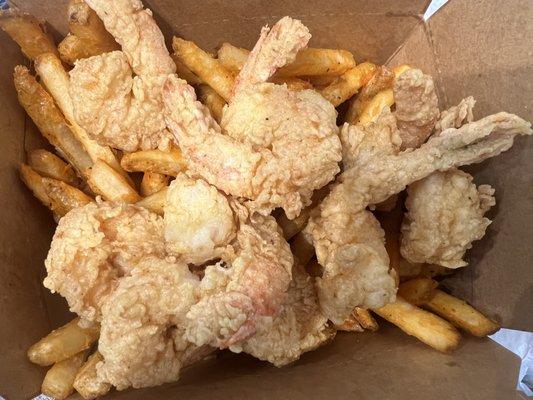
<point x="64" y="197"/>
<point x="57" y="82"/>
<point x="155" y="202"/>
<point x="349" y="83"/>
<point x="63" y="343"/>
<point x="365" y="319"/>
<point x="208" y="69"/>
<point x="461" y="314"/>
<point x="184" y="72"/>
<point x="302" y="248"/>
<point x="34" y="182"/>
<point x="418" y="291"/>
<point x="51" y="166"/>
<point x="111" y="185"/>
<point x="28" y="32"/>
<point x="42" y="109"/>
<point x="88" y="36"/>
<point x="291" y="227"/>
<point x="59" y="379"/>
<point x="427" y="327"/>
<point x="212" y="100"/>
<point x="153" y="182"/>
<point x="162" y="162"/>
<point x="86" y="381"/>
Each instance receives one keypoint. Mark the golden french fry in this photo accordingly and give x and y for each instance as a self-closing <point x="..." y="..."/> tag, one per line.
<point x="427" y="327"/>
<point x="42" y="109"/>
<point x="201" y="63"/>
<point x="111" y="185"/>
<point x="349" y="83"/>
<point x="291" y="227"/>
<point x="57" y="82"/>
<point x="51" y="166"/>
<point x="86" y="381"/>
<point x="59" y="379"/>
<point x="321" y="81"/>
<point x="373" y="109"/>
<point x="88" y="36"/>
<point x="64" y="197"/>
<point x="461" y="314"/>
<point x="155" y="202"/>
<point x="212" y="100"/>
<point x="350" y="325"/>
<point x="302" y="248"/>
<point x="162" y="162"/>
<point x="185" y="73"/>
<point x="365" y="319"/>
<point x="418" y="291"/>
<point x="63" y="343"/>
<point x="308" y="62"/>
<point x="153" y="182"/>
<point x="294" y="84"/>
<point x="28" y="32"/>
<point x="34" y="182"/>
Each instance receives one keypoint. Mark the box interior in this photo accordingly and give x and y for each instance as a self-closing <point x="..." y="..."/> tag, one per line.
<point x="453" y="47"/>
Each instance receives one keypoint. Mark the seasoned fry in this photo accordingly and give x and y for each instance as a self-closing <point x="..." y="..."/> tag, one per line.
<point x="291" y="227"/>
<point x="365" y="319"/>
<point x="57" y="81"/>
<point x="51" y="166"/>
<point x="59" y="379"/>
<point x="153" y="182"/>
<point x="111" y="185"/>
<point x="461" y="314"/>
<point x="212" y="100"/>
<point x="184" y="72"/>
<point x="64" y="197"/>
<point x="349" y="83"/>
<point x="427" y="327"/>
<point x="155" y="202"/>
<point x="86" y="382"/>
<point x="34" y="182"/>
<point x="88" y="36"/>
<point x="308" y="62"/>
<point x="28" y="32"/>
<point x="63" y="343"/>
<point x="418" y="291"/>
<point x="302" y="248"/>
<point x="162" y="162"/>
<point x="208" y="69"/>
<point x="43" y="111"/>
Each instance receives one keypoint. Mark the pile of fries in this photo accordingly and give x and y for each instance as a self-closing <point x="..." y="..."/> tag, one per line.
<point x="84" y="169"/>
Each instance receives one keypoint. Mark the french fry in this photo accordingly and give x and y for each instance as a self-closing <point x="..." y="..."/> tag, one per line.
<point x="62" y="343"/>
<point x="58" y="382"/>
<point x="461" y="314"/>
<point x="365" y="319"/>
<point x="427" y="327"/>
<point x="384" y="99"/>
<point x="42" y="109"/>
<point x="291" y="227"/>
<point x="185" y="73"/>
<point x="64" y="197"/>
<point x="349" y="83"/>
<point x="302" y="248"/>
<point x="86" y="381"/>
<point x="162" y="162"/>
<point x="34" y="182"/>
<point x="155" y="202"/>
<point x="57" y="82"/>
<point x="28" y="32"/>
<point x="308" y="62"/>
<point x="321" y="81"/>
<point x="202" y="64"/>
<point x="88" y="36"/>
<point x="212" y="100"/>
<point x="111" y="185"/>
<point x="51" y="166"/>
<point x="350" y="325"/>
<point x="153" y="182"/>
<point x="418" y="291"/>
<point x="294" y="84"/>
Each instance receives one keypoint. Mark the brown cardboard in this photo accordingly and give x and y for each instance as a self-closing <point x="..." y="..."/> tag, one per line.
<point x="386" y="364"/>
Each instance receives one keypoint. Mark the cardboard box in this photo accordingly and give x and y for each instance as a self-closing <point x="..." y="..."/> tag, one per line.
<point x="481" y="48"/>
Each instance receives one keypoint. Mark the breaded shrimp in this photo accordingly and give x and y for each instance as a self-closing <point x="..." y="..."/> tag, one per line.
<point x="275" y="146"/>
<point x="115" y="108"/>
